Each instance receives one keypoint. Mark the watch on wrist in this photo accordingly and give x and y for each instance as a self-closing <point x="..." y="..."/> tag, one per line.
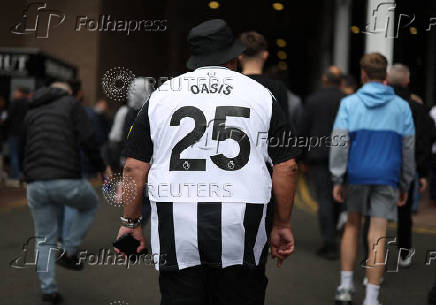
<point x="131" y="222"/>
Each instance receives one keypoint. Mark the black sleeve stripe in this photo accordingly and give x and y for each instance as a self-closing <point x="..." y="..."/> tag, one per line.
<point x="139" y="144"/>
<point x="280" y="130"/>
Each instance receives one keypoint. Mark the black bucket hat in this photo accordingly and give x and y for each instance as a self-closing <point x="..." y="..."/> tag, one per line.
<point x="211" y="43"/>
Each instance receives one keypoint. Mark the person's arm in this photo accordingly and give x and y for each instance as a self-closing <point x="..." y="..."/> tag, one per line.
<point x="284" y="179"/>
<point x="408" y="168"/>
<point x="338" y="159"/>
<point x="116" y="133"/>
<point x="11" y="113"/>
<point x="135" y="173"/>
<point x="139" y="150"/>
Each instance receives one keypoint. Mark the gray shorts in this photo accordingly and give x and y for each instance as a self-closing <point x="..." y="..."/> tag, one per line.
<point x="373" y="200"/>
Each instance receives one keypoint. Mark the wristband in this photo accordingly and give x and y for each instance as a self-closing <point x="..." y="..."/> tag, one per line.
<point x="131" y="222"/>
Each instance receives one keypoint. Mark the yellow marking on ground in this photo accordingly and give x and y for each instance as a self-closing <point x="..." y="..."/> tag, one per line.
<point x="6" y="207"/>
<point x="303" y="189"/>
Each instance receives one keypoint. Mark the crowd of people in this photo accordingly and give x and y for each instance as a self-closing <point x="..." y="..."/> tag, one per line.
<point x="55" y="144"/>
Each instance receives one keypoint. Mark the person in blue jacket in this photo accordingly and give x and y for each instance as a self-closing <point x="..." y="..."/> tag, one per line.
<point x="372" y="164"/>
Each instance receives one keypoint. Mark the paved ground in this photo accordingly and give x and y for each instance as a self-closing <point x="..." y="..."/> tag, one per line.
<point x="304" y="279"/>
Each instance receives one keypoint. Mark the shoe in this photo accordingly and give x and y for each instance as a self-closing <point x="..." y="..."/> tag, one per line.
<point x="406" y="262"/>
<point x="343" y="296"/>
<point x="51" y="299"/>
<point x="328" y="252"/>
<point x="365" y="281"/>
<point x="343" y="218"/>
<point x="321" y="251"/>
<point x="377" y="303"/>
<point x="70" y="262"/>
<point x="432" y="297"/>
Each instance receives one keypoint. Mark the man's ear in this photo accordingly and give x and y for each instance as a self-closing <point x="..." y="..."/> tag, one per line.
<point x="363" y="76"/>
<point x="265" y="55"/>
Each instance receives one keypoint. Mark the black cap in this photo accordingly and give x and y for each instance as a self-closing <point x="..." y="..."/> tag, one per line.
<point x="211" y="43"/>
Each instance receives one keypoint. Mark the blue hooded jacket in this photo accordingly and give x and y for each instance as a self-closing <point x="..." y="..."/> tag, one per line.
<point x="380" y="130"/>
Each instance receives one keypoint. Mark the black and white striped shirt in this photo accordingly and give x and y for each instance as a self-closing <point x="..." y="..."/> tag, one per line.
<point x="208" y="183"/>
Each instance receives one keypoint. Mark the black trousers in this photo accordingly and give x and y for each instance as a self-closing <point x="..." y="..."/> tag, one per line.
<point x="201" y="285"/>
<point x="432" y="294"/>
<point x="404" y="230"/>
<point x="326" y="206"/>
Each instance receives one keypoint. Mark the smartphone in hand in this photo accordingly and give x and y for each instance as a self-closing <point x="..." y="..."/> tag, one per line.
<point x="128" y="245"/>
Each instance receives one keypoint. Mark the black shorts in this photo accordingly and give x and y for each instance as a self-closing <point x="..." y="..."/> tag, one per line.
<point x="200" y="285"/>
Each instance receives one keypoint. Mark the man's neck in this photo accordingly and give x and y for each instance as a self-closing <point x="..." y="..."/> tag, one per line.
<point x="252" y="67"/>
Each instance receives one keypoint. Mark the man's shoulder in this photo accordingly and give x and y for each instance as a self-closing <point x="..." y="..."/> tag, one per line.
<point x="324" y="95"/>
<point x="350" y="100"/>
<point x="401" y="102"/>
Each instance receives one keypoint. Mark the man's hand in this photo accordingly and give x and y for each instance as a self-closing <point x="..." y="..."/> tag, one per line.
<point x="338" y="193"/>
<point x="402" y="199"/>
<point x="423" y="184"/>
<point x="107" y="172"/>
<point x="282" y="243"/>
<point x="137" y="234"/>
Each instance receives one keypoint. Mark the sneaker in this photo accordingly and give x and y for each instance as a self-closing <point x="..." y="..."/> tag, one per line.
<point x="343" y="296"/>
<point x="70" y="262"/>
<point x="406" y="261"/>
<point x="321" y="251"/>
<point x="343" y="218"/>
<point x="377" y="303"/>
<point x="365" y="281"/>
<point x="328" y="252"/>
<point x="432" y="296"/>
<point x="51" y="299"/>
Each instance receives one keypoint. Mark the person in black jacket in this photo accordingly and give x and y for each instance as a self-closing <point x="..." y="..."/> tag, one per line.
<point x="56" y="126"/>
<point x="252" y="61"/>
<point x="399" y="79"/>
<point x="14" y="126"/>
<point x="319" y="114"/>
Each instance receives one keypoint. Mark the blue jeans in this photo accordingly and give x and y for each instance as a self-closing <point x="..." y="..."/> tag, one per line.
<point x="14" y="150"/>
<point x="44" y="198"/>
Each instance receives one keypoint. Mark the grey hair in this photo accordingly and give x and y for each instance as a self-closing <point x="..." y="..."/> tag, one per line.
<point x="62" y="85"/>
<point x="399" y="74"/>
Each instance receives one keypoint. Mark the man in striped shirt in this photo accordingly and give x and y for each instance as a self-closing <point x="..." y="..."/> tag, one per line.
<point x="202" y="149"/>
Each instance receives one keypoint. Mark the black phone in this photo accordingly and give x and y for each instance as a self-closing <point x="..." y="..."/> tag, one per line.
<point x="128" y="245"/>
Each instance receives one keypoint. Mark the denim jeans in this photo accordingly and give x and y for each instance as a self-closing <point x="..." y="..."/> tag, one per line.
<point x="44" y="198"/>
<point x="14" y="151"/>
